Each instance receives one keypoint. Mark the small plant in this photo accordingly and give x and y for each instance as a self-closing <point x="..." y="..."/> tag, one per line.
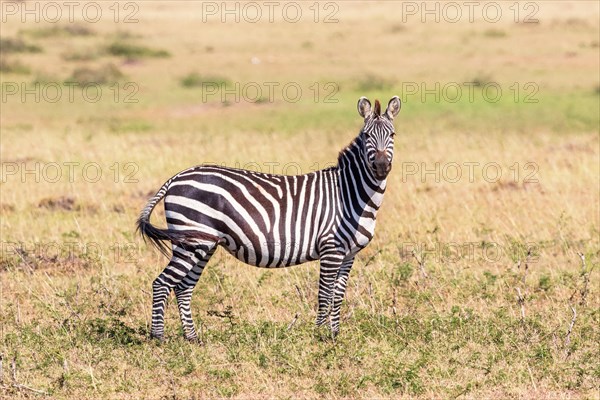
<point x="113" y="330"/>
<point x="481" y="80"/>
<point x="70" y="30"/>
<point x="372" y="82"/>
<point x="405" y="271"/>
<point x="10" y="45"/>
<point x="126" y="125"/>
<point x="104" y="75"/>
<point x="194" y="79"/>
<point x="86" y="55"/>
<point x="397" y="28"/>
<point x="43" y="78"/>
<point x="545" y="283"/>
<point x="133" y="51"/>
<point x="14" y="67"/>
<point x="494" y="33"/>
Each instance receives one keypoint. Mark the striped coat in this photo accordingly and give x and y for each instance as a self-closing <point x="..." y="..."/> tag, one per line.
<point x="274" y="221"/>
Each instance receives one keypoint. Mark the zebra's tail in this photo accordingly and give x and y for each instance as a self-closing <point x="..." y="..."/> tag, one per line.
<point x="158" y="236"/>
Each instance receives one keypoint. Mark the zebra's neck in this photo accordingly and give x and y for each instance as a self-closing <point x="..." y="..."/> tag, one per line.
<point x="361" y="193"/>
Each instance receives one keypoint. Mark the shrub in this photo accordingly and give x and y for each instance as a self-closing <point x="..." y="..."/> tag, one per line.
<point x="70" y="30"/>
<point x="481" y="80"/>
<point x="372" y="82"/>
<point x="16" y="45"/>
<point x="494" y="33"/>
<point x="86" y="55"/>
<point x="133" y="51"/>
<point x="14" y="67"/>
<point x="106" y="74"/>
<point x="196" y="80"/>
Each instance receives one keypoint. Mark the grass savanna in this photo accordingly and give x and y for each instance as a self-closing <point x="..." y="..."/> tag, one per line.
<point x="478" y="286"/>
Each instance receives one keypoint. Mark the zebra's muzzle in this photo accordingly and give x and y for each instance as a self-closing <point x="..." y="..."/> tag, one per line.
<point x="381" y="165"/>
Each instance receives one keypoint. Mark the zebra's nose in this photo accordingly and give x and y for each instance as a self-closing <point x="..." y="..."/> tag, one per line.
<point x="381" y="164"/>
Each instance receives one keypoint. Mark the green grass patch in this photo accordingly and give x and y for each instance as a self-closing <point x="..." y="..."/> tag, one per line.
<point x="13" y="67"/>
<point x="70" y="30"/>
<point x="17" y="45"/>
<point x="103" y="75"/>
<point x="134" y="51"/>
<point x="194" y="79"/>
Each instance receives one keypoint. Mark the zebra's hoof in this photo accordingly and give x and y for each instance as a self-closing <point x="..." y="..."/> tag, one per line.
<point x="195" y="340"/>
<point x="159" y="338"/>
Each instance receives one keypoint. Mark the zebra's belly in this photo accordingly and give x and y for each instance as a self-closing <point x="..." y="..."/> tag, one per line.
<point x="275" y="254"/>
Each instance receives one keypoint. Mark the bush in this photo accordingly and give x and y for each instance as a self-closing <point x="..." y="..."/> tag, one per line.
<point x="106" y="74"/>
<point x="372" y="82"/>
<point x="133" y="51"/>
<point x="494" y="33"/>
<point x="70" y="30"/>
<point x="14" y="67"/>
<point x="9" y="45"/>
<point x="196" y="80"/>
<point x="86" y="55"/>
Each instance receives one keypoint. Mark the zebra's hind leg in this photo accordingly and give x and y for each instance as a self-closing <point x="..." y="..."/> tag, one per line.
<point x="183" y="292"/>
<point x="330" y="265"/>
<point x="182" y="262"/>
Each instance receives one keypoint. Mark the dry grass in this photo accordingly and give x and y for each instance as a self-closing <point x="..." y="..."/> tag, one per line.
<point x="75" y="307"/>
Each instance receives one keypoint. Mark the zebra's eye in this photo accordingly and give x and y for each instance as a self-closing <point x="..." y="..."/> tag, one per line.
<point x="392" y="134"/>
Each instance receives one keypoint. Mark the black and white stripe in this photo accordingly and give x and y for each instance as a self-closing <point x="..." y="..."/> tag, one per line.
<point x="274" y="221"/>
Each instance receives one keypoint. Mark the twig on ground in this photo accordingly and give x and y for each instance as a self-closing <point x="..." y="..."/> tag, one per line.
<point x="18" y="316"/>
<point x="586" y="279"/>
<point x="583" y="292"/>
<point x="291" y="325"/>
<point x="370" y="260"/>
<point x="568" y="336"/>
<point x="421" y="263"/>
<point x="526" y="266"/>
<point x="13" y="367"/>
<point x="531" y="377"/>
<point x="521" y="301"/>
<point x="300" y="295"/>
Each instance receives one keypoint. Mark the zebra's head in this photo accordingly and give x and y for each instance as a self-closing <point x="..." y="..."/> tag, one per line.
<point x="378" y="135"/>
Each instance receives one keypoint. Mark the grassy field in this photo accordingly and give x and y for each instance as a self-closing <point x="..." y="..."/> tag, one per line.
<point x="482" y="280"/>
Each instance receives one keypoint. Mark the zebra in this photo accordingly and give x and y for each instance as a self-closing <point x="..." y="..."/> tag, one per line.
<point x="274" y="221"/>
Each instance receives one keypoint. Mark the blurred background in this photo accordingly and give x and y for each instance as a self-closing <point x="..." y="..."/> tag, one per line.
<point x="485" y="244"/>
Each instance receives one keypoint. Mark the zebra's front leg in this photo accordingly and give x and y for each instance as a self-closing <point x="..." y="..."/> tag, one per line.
<point x="183" y="293"/>
<point x="339" y="292"/>
<point x="330" y="265"/>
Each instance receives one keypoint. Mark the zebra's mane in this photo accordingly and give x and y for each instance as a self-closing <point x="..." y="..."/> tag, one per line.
<point x="354" y="144"/>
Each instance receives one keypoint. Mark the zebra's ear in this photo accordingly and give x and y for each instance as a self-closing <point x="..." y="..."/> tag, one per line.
<point x="364" y="107"/>
<point x="393" y="107"/>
